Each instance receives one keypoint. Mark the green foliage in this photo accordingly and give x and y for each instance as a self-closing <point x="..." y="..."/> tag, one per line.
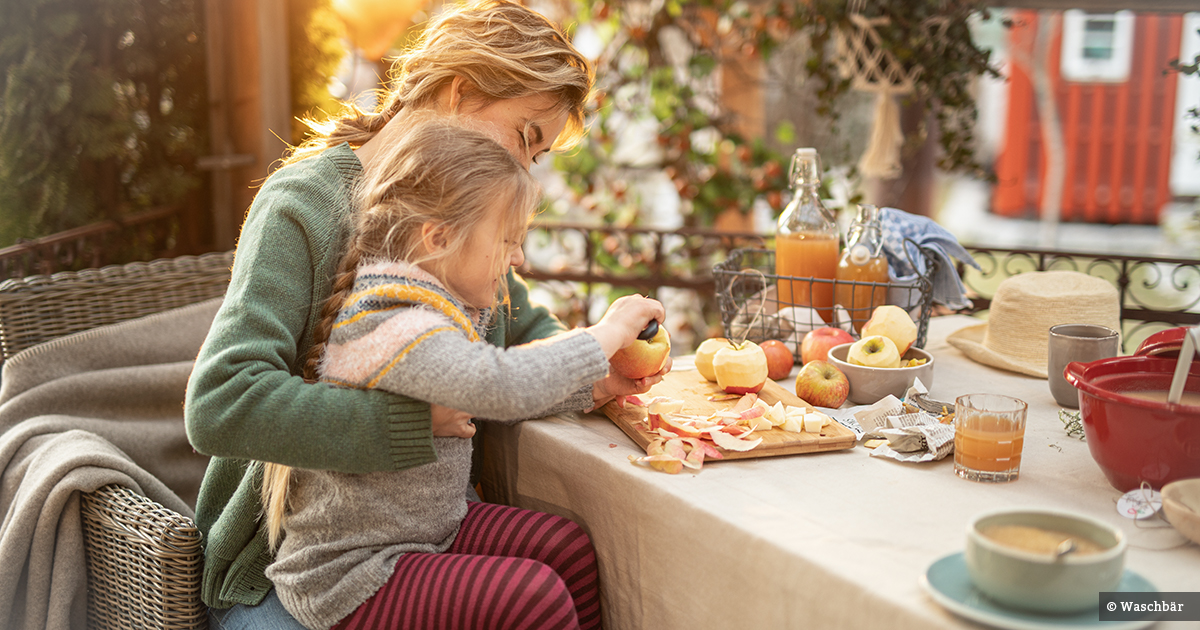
<point x="315" y="47"/>
<point x="103" y="110"/>
<point x="699" y="144"/>
<point x="1187" y="70"/>
<point x="932" y="35"/>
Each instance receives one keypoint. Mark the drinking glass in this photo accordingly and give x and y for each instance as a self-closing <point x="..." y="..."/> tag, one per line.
<point x="989" y="432"/>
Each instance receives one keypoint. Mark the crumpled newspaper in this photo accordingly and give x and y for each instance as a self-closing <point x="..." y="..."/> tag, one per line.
<point x="912" y="433"/>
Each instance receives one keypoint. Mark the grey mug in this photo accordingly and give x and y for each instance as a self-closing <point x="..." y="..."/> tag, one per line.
<point x="1076" y="342"/>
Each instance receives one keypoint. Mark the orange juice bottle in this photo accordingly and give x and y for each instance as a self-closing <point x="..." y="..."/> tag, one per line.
<point x="862" y="262"/>
<point x="806" y="241"/>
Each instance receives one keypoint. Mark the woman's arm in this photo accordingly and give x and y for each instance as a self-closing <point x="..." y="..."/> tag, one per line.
<point x="245" y="399"/>
<point x="526" y="321"/>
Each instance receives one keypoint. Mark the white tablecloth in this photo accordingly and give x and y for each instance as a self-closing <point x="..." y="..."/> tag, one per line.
<point x="829" y="540"/>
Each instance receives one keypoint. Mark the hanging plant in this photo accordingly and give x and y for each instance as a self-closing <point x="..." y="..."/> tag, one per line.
<point x="923" y="53"/>
<point x="916" y="50"/>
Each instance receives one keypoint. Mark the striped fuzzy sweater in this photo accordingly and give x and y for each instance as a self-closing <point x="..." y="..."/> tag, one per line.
<point x="401" y="331"/>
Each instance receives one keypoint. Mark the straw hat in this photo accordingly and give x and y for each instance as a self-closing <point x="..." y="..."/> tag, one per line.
<point x="1024" y="308"/>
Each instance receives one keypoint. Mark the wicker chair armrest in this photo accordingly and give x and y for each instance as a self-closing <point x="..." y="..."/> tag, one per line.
<point x="40" y="308"/>
<point x="144" y="563"/>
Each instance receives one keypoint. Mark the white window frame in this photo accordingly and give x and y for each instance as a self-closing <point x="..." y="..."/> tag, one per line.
<point x="1076" y="67"/>
<point x="1185" y="146"/>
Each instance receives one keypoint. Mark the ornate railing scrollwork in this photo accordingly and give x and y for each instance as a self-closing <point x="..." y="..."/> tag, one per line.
<point x="1155" y="292"/>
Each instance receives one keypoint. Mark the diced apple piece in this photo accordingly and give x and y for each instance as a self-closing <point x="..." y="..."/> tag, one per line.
<point x="794" y="423"/>
<point x="813" y="423"/>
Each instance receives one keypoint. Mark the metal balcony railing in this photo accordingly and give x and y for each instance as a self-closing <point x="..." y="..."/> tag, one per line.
<point x="585" y="266"/>
<point x="143" y="236"/>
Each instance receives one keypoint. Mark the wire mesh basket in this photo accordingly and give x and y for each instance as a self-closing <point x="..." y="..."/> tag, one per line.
<point x="748" y="294"/>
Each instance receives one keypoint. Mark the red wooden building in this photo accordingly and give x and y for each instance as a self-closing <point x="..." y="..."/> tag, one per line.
<point x="1116" y="104"/>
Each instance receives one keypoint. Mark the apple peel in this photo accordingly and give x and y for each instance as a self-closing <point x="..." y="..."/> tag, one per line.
<point x="731" y="443"/>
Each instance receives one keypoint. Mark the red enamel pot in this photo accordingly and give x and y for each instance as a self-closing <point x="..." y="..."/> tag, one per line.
<point x="1132" y="436"/>
<point x="1164" y="344"/>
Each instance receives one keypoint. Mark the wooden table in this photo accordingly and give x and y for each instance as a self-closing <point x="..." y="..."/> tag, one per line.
<point x="817" y="540"/>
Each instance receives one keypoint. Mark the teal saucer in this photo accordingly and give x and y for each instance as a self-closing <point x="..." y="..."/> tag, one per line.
<point x="948" y="583"/>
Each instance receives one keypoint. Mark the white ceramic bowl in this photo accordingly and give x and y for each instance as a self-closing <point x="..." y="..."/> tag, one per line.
<point x="1042" y="582"/>
<point x="869" y="384"/>
<point x="1181" y="502"/>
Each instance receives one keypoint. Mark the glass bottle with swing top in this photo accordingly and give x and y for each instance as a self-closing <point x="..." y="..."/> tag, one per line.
<point x="806" y="241"/>
<point x="863" y="262"/>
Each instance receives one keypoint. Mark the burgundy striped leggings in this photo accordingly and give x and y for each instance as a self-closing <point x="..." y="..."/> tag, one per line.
<point x="508" y="568"/>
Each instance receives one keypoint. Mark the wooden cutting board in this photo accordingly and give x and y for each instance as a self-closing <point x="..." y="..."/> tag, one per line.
<point x="695" y="390"/>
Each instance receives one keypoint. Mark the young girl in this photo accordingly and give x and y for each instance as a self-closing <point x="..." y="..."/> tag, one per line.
<point x="433" y="240"/>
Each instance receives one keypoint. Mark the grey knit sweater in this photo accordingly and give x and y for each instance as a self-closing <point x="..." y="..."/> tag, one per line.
<point x="404" y="333"/>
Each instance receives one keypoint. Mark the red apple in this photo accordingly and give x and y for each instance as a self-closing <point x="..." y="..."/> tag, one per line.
<point x="779" y="359"/>
<point x="740" y="369"/>
<point x="817" y="343"/>
<point x="821" y="384"/>
<point x="642" y="358"/>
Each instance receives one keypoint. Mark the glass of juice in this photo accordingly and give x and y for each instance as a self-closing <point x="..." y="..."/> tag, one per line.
<point x="989" y="433"/>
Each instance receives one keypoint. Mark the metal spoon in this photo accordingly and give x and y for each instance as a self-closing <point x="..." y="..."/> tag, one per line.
<point x="1191" y="339"/>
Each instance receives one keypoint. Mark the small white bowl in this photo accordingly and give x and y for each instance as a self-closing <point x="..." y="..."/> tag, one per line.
<point x="1181" y="502"/>
<point x="869" y="384"/>
<point x="1041" y="581"/>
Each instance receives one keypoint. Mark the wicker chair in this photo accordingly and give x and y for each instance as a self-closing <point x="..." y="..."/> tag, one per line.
<point x="41" y="308"/>
<point x="144" y="561"/>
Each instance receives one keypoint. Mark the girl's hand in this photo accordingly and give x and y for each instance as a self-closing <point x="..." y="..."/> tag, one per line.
<point x="447" y="422"/>
<point x="624" y="321"/>
<point x="615" y="385"/>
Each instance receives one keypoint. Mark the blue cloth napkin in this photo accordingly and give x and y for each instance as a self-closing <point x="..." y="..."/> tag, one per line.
<point x="905" y="261"/>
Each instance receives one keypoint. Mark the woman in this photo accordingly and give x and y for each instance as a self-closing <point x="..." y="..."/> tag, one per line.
<point x="497" y="64"/>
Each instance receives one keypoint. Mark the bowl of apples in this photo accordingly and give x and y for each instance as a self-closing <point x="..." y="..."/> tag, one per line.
<point x="883" y="361"/>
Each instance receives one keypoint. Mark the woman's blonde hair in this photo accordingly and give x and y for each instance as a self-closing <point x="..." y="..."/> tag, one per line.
<point x="501" y="49"/>
<point x="440" y="173"/>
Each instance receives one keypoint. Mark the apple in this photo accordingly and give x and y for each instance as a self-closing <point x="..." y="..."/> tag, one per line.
<point x="740" y="369"/>
<point x="874" y="351"/>
<point x="821" y="384"/>
<point x="892" y="322"/>
<point x="643" y="358"/>
<point x="704" y="356"/>
<point x="817" y="343"/>
<point x="779" y="359"/>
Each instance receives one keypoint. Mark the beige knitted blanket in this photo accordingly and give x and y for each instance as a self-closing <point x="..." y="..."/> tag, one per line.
<point x="77" y="413"/>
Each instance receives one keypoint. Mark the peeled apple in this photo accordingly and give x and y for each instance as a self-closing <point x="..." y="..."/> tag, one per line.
<point x="740" y="369"/>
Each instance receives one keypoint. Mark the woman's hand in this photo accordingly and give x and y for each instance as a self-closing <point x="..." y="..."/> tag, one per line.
<point x="615" y="385"/>
<point x="447" y="422"/>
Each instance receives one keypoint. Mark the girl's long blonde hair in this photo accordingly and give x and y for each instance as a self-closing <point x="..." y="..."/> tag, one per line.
<point x="440" y="173"/>
<point x="502" y="49"/>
